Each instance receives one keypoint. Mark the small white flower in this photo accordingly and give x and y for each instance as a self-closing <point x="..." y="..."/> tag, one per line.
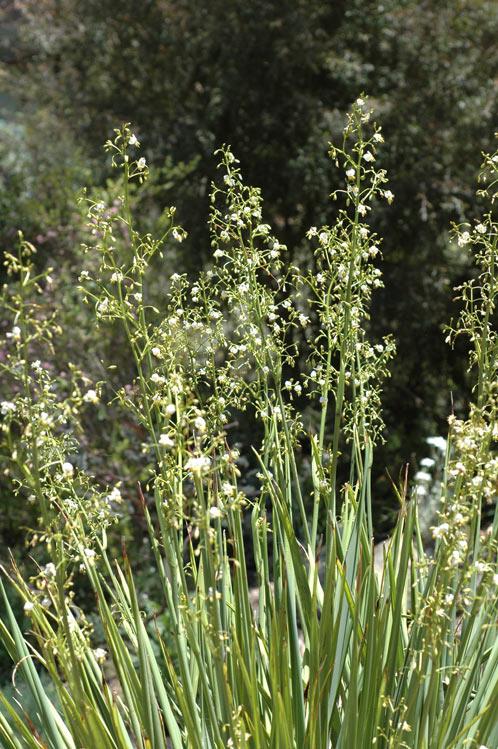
<point x="389" y="196"/>
<point x="103" y="306"/>
<point x="67" y="469"/>
<point x="218" y="253"/>
<point x="350" y="174"/>
<point x="141" y="163"/>
<point x="495" y="579"/>
<point x="427" y="463"/>
<point x="378" y="138"/>
<point x="363" y="232"/>
<point x="89" y="553"/>
<point x="200" y="424"/>
<point x="170" y="409"/>
<point x="215" y="512"/>
<point x="115" y="495"/>
<point x="100" y="655"/>
<point x="156" y="351"/>
<point x="157" y="378"/>
<point x="28" y="606"/>
<point x="133" y="140"/>
<point x="440" y="530"/>
<point x="177" y="235"/>
<point x="463" y="239"/>
<point x="49" y="570"/>
<point x="7" y="407"/>
<point x="91" y="396"/>
<point x="312" y="232"/>
<point x="15" y="333"/>
<point x="423" y="476"/>
<point x="368" y="156"/>
<point x="360" y="102"/>
<point x="481" y="229"/>
<point x="198" y="465"/>
<point x="117" y="276"/>
<point x="449" y="598"/>
<point x="166" y="441"/>
<point x="362" y="209"/>
<point x="228" y="489"/>
<point x="438" y="442"/>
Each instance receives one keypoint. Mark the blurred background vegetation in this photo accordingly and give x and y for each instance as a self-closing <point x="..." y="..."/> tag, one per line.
<point x="274" y="80"/>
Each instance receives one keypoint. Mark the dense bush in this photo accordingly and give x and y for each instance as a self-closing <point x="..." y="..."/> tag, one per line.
<point x="338" y="652"/>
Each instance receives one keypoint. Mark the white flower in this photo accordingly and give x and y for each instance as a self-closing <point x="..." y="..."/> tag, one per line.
<point x="198" y="465"/>
<point x="177" y="235"/>
<point x="312" y="232"/>
<point x="15" y="333"/>
<point x="200" y="424"/>
<point x="463" y="239"/>
<point x="117" y="276"/>
<point x="368" y="156"/>
<point x="378" y="138"/>
<point x="215" y="512"/>
<point x="157" y="378"/>
<point x="91" y="397"/>
<point x="350" y="174"/>
<point x="389" y="196"/>
<point x="7" y="407"/>
<point x="363" y="232"/>
<point x="438" y="442"/>
<point x="362" y="209"/>
<point x="170" y="409"/>
<point x="100" y="654"/>
<point x="481" y="229"/>
<point x="114" y="496"/>
<point x="49" y="570"/>
<point x="423" y="476"/>
<point x="133" y="140"/>
<point x="218" y="253"/>
<point x="449" y="598"/>
<point x="427" y="462"/>
<point x="440" y="530"/>
<point x="103" y="306"/>
<point x="156" y="351"/>
<point x="455" y="557"/>
<point x="89" y="553"/>
<point x="360" y="102"/>
<point x="495" y="579"/>
<point x="166" y="441"/>
<point x="228" y="489"/>
<point x="141" y="163"/>
<point x="303" y="319"/>
<point x="67" y="469"/>
<point x="28" y="606"/>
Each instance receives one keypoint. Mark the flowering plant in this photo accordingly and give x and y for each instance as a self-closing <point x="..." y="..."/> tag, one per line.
<point x="326" y="636"/>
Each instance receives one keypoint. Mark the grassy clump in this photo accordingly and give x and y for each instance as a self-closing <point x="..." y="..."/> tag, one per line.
<point x="337" y="653"/>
